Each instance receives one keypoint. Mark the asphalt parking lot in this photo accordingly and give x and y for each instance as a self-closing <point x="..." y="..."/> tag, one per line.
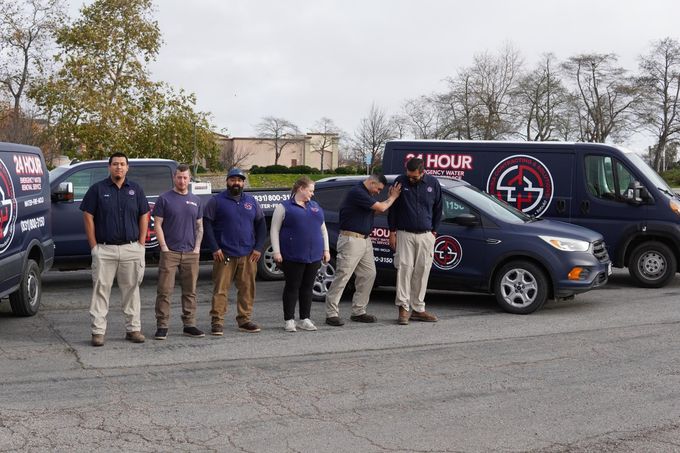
<point x="600" y="373"/>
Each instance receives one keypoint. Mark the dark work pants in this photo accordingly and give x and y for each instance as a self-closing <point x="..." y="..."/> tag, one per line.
<point x="299" y="283"/>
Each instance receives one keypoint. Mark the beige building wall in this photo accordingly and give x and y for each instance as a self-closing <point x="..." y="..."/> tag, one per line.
<point x="302" y="150"/>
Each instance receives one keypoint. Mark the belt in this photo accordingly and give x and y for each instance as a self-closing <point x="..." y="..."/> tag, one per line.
<point x="352" y="234"/>
<point x="117" y="242"/>
<point x="417" y="231"/>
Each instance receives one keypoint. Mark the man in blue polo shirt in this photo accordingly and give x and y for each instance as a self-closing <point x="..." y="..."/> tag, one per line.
<point x="115" y="214"/>
<point x="413" y="222"/>
<point x="355" y="249"/>
<point x="235" y="230"/>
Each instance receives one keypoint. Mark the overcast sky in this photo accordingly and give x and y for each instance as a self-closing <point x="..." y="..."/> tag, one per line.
<point x="302" y="60"/>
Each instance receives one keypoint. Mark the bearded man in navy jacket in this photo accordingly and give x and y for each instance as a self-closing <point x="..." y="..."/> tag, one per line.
<point x="235" y="229"/>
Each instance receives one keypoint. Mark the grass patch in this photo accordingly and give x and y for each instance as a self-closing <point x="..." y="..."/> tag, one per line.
<point x="264" y="181"/>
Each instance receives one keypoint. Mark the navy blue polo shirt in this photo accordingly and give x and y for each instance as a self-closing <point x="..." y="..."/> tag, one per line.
<point x="116" y="211"/>
<point x="419" y="207"/>
<point x="355" y="213"/>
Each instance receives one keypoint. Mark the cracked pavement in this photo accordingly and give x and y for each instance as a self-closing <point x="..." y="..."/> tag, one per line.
<point x="600" y="373"/>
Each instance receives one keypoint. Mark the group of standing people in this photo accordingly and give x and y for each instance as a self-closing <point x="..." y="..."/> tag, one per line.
<point x="115" y="212"/>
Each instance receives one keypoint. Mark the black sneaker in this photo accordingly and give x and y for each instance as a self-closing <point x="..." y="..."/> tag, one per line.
<point x="193" y="332"/>
<point x="161" y="334"/>
<point x="335" y="321"/>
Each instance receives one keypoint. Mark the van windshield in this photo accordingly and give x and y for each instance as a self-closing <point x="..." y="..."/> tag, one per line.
<point x="490" y="204"/>
<point x="649" y="172"/>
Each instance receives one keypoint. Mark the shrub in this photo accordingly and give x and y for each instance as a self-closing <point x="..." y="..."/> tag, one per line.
<point x="302" y="169"/>
<point x="345" y="171"/>
<point x="269" y="169"/>
<point x="672" y="177"/>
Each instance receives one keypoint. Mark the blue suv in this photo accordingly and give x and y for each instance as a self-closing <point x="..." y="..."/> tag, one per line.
<point x="485" y="245"/>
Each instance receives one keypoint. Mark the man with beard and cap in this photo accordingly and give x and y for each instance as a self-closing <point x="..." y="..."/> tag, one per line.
<point x="235" y="230"/>
<point x="116" y="221"/>
<point x="413" y="220"/>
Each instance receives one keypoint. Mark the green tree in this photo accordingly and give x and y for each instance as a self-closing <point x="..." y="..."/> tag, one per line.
<point x="102" y="98"/>
<point x="173" y="129"/>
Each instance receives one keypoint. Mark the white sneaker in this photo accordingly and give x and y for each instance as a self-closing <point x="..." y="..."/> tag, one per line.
<point x="307" y="324"/>
<point x="290" y="326"/>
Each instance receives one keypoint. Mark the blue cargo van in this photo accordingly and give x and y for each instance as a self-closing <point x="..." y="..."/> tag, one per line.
<point x="605" y="188"/>
<point x="26" y="246"/>
<point x="483" y="245"/>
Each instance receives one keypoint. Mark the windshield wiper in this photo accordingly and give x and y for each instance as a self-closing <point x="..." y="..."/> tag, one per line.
<point x="668" y="192"/>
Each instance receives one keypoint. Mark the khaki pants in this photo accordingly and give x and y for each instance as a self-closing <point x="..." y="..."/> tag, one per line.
<point x="241" y="271"/>
<point x="126" y="264"/>
<point x="413" y="261"/>
<point x="170" y="263"/>
<point x="355" y="256"/>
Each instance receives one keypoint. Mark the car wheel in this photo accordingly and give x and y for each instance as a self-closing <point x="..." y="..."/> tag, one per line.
<point x="521" y="287"/>
<point x="267" y="269"/>
<point x="324" y="278"/>
<point x="652" y="265"/>
<point x="25" y="301"/>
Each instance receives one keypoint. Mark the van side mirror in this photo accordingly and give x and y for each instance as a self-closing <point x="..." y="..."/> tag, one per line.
<point x="466" y="220"/>
<point x="64" y="193"/>
<point x="636" y="193"/>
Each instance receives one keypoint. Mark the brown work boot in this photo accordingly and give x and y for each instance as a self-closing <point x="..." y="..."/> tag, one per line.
<point x="97" y="340"/>
<point x="135" y="337"/>
<point x="217" y="330"/>
<point x="249" y="327"/>
<point x="423" y="316"/>
<point x="403" y="316"/>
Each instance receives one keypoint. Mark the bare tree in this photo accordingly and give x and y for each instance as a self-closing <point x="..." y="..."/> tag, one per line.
<point x="425" y="117"/>
<point x="401" y="125"/>
<point x="26" y="30"/>
<point x="660" y="70"/>
<point x="606" y="97"/>
<point x="541" y="102"/>
<point x="329" y="135"/>
<point x="280" y="131"/>
<point x="234" y="156"/>
<point x="460" y="108"/>
<point x="495" y="77"/>
<point x="479" y="102"/>
<point x="371" y="135"/>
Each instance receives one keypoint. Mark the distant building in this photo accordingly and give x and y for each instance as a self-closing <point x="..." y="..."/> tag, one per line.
<point x="246" y="152"/>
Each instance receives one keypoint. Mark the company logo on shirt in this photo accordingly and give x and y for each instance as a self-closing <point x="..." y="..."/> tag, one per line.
<point x="448" y="253"/>
<point x="248" y="206"/>
<point x="192" y="203"/>
<point x="8" y="208"/>
<point x="524" y="182"/>
<point x="314" y="209"/>
<point x="131" y="192"/>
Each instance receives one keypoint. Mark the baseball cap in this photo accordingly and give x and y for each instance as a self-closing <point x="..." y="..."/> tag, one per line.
<point x="236" y="172"/>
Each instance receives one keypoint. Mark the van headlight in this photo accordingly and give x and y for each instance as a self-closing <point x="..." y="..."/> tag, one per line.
<point x="675" y="206"/>
<point x="567" y="245"/>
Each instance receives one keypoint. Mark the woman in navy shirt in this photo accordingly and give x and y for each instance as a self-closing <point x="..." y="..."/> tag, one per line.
<point x="300" y="242"/>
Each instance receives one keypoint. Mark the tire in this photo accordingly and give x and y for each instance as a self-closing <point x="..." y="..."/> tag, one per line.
<point x="267" y="269"/>
<point x="324" y="278"/>
<point x="652" y="264"/>
<point x="521" y="287"/>
<point x="25" y="301"/>
<point x="323" y="281"/>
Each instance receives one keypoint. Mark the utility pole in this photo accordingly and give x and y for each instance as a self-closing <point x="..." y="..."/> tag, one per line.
<point x="195" y="156"/>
